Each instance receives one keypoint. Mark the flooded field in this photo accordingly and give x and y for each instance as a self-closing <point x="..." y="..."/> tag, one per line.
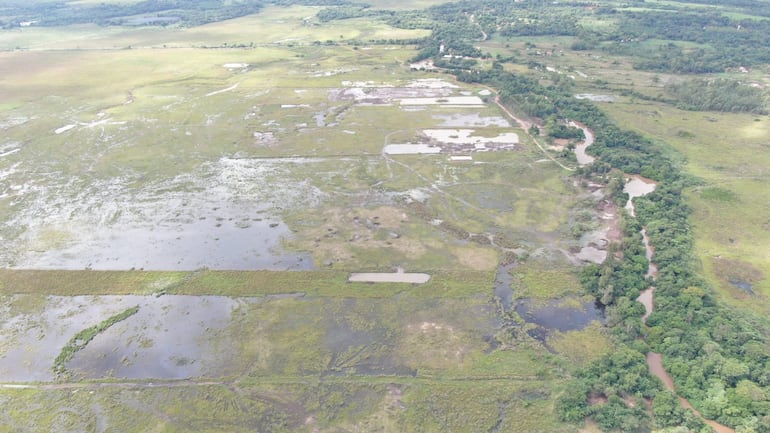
<point x="174" y="337"/>
<point x="223" y="217"/>
<point x="227" y="210"/>
<point x="171" y="337"/>
<point x="170" y="170"/>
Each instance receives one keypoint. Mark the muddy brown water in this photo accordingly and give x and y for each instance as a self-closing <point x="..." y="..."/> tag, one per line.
<point x="580" y="150"/>
<point x="655" y="362"/>
<point x="637" y="186"/>
<point x="647" y="299"/>
<point x="649" y="251"/>
<point x="642" y="187"/>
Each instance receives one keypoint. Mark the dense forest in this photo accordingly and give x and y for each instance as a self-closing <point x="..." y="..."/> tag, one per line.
<point x="152" y="12"/>
<point x="680" y="40"/>
<point x="717" y="95"/>
<point x="720" y="361"/>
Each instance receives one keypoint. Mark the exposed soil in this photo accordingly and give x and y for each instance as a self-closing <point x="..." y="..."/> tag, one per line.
<point x="395" y="277"/>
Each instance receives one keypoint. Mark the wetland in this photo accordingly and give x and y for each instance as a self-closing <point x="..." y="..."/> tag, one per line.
<point x="209" y="227"/>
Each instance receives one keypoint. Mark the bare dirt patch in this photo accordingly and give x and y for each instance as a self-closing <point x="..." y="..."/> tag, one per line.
<point x="476" y="258"/>
<point x="439" y="345"/>
<point x="391" y="277"/>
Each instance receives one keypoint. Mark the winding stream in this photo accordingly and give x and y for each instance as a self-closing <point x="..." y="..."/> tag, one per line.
<point x="638" y="186"/>
<point x="580" y="150"/>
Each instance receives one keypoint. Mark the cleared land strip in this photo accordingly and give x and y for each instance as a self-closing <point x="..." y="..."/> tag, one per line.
<point x="444" y="283"/>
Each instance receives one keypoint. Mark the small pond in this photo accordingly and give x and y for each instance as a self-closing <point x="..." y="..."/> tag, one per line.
<point x="567" y="314"/>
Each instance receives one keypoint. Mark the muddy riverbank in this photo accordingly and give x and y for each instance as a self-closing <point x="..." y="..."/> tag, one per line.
<point x="637" y="187"/>
<point x="580" y="150"/>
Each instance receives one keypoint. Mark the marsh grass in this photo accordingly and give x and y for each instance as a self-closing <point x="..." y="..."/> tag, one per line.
<point x="541" y="280"/>
<point x="313" y="350"/>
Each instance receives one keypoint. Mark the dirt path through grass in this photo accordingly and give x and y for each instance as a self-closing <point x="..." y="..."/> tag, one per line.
<point x="525" y="125"/>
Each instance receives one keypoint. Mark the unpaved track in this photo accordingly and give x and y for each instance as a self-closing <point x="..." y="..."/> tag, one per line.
<point x="525" y="125"/>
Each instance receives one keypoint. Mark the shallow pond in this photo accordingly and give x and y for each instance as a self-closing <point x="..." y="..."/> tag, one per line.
<point x="171" y="337"/>
<point x="559" y="314"/>
<point x="410" y="149"/>
<point x="389" y="277"/>
<point x="595" y="97"/>
<point x="474" y="120"/>
<point x="244" y="244"/>
<point x="743" y="285"/>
